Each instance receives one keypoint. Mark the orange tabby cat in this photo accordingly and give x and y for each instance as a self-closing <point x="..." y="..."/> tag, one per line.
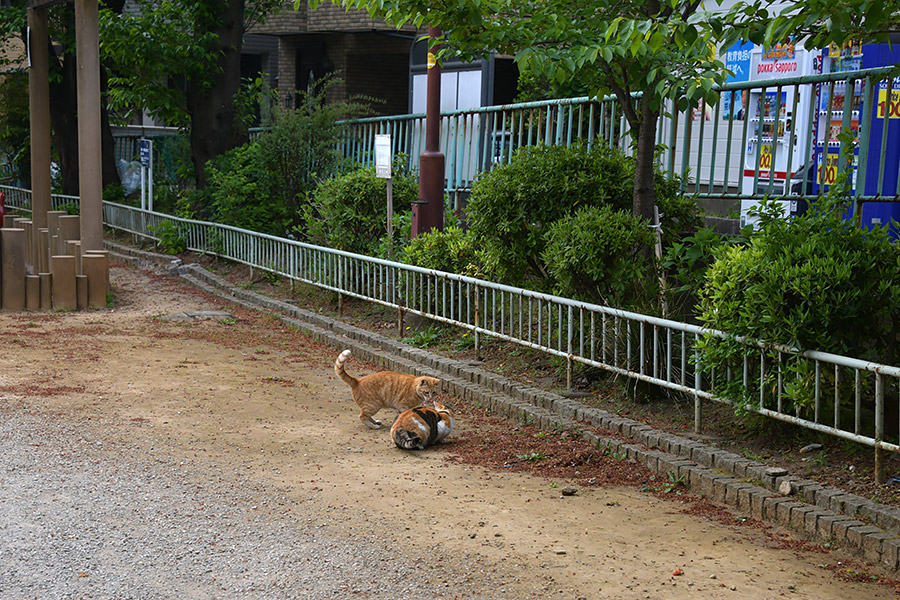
<point x="419" y="427"/>
<point x="385" y="390"/>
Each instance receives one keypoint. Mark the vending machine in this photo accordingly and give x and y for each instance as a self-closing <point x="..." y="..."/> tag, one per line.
<point x="883" y="126"/>
<point x="776" y="130"/>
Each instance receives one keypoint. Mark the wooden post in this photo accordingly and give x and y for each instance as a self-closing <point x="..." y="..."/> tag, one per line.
<point x="90" y="174"/>
<point x="96" y="268"/>
<point x="12" y="287"/>
<point x="62" y="271"/>
<point x="39" y="108"/>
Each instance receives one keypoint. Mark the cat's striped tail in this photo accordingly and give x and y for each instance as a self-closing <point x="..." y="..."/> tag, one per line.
<point x="339" y="368"/>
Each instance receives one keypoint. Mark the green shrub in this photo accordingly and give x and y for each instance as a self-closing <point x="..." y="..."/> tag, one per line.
<point x="598" y="254"/>
<point x="815" y="282"/>
<point x="513" y="206"/>
<point x="114" y="193"/>
<point x="452" y="250"/>
<point x="170" y="240"/>
<point x="686" y="263"/>
<point x="302" y="147"/>
<point x="349" y="212"/>
<point x="70" y="208"/>
<point x="240" y="192"/>
<point x="679" y="214"/>
<point x="173" y="178"/>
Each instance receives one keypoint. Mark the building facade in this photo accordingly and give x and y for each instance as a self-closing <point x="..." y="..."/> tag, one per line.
<point x="295" y="48"/>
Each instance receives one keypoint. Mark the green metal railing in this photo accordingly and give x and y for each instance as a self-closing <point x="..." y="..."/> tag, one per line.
<point x="475" y="140"/>
<point x="709" y="152"/>
<point x="719" y="158"/>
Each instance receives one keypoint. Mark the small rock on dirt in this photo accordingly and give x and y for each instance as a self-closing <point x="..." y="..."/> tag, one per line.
<point x="810" y="448"/>
<point x="569" y="491"/>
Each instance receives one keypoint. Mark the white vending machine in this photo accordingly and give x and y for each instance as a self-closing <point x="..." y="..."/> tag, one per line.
<point x="778" y="123"/>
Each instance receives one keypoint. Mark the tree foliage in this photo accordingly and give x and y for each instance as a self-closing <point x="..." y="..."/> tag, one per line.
<point x="15" y="133"/>
<point x="63" y="79"/>
<point x="817" y="22"/>
<point x="302" y="147"/>
<point x="180" y="61"/>
<point x="661" y="49"/>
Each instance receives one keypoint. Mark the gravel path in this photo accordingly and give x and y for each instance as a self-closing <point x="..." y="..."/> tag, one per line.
<point x="80" y="521"/>
<point x="146" y="457"/>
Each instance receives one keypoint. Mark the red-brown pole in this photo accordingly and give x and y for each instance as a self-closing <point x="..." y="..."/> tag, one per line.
<point x="428" y="211"/>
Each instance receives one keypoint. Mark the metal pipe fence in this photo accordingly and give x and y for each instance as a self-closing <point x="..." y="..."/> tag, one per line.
<point x="718" y="156"/>
<point x="845" y="397"/>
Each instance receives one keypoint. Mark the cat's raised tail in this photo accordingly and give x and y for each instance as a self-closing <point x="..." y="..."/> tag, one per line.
<point x="339" y="369"/>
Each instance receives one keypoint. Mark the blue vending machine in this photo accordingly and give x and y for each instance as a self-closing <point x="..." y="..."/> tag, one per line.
<point x="883" y="130"/>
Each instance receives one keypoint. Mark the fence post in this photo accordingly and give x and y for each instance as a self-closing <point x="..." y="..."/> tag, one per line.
<point x="477" y="335"/>
<point x="399" y="298"/>
<point x="698" y="380"/>
<point x="570" y="334"/>
<point x="879" y="428"/>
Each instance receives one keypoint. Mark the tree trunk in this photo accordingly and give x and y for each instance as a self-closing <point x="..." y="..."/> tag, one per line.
<point x="63" y="116"/>
<point x="63" y="99"/>
<point x="107" y="142"/>
<point x="644" y="195"/>
<point x="210" y="101"/>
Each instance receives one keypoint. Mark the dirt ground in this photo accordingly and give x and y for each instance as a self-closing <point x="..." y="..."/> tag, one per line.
<point x="245" y="392"/>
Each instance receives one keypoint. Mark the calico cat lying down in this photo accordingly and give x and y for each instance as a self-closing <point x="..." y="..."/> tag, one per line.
<point x="419" y="427"/>
<point x="385" y="390"/>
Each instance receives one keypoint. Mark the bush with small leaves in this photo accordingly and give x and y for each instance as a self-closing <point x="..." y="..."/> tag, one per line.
<point x="814" y="282"/>
<point x="452" y="250"/>
<point x="512" y="207"/>
<point x="349" y="212"/>
<point x="597" y="255"/>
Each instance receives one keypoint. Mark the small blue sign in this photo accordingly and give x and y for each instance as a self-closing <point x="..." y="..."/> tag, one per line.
<point x="737" y="60"/>
<point x="146" y="148"/>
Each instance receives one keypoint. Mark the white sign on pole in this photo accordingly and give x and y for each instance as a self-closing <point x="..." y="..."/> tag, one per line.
<point x="146" y="158"/>
<point x="383" y="156"/>
<point x="383" y="171"/>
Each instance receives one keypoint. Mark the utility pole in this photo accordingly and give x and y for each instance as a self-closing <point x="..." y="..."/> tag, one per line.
<point x="428" y="211"/>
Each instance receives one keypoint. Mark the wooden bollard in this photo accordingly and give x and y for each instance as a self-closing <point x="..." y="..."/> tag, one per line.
<point x="43" y="265"/>
<point x="96" y="268"/>
<point x="25" y="224"/>
<point x="30" y="255"/>
<point x="53" y="227"/>
<point x="12" y="268"/>
<point x="32" y="292"/>
<point x="105" y="255"/>
<point x="46" y="291"/>
<point x="81" y="291"/>
<point x="69" y="229"/>
<point x="74" y="249"/>
<point x="64" y="294"/>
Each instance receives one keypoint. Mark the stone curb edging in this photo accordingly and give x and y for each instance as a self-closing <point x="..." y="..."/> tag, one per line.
<point x="822" y="514"/>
